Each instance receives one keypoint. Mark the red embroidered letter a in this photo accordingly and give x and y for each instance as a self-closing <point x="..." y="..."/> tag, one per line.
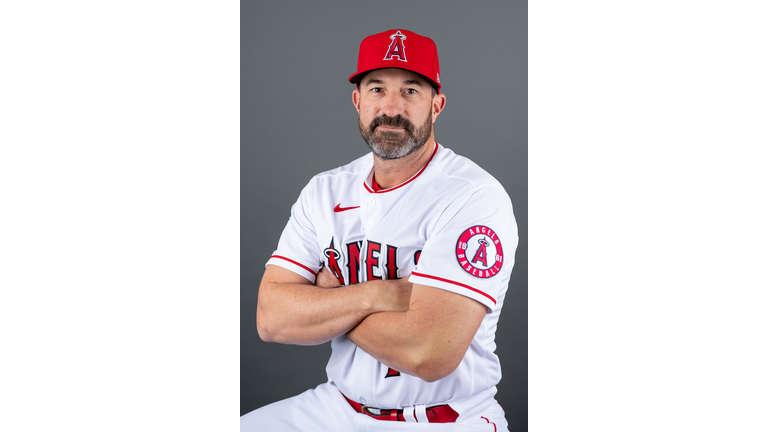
<point x="481" y="254"/>
<point x="396" y="48"/>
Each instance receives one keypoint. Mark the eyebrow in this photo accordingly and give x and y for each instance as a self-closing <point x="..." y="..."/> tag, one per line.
<point x="413" y="82"/>
<point x="374" y="81"/>
<point x="407" y="82"/>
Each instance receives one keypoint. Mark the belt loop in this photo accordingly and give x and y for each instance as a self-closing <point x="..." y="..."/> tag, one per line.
<point x="421" y="413"/>
<point x="409" y="415"/>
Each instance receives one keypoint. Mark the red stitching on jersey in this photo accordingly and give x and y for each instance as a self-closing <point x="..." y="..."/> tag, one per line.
<point x="494" y="424"/>
<point x="409" y="180"/>
<point x="455" y="283"/>
<point x="294" y="262"/>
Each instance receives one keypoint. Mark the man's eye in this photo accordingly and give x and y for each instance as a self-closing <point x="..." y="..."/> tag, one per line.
<point x="410" y="91"/>
<point x="376" y="90"/>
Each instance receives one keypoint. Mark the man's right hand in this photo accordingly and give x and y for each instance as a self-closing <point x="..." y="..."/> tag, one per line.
<point x="400" y="290"/>
<point x="326" y="279"/>
<point x="395" y="293"/>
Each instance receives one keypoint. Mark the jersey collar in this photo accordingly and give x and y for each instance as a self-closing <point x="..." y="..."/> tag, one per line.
<point x="370" y="189"/>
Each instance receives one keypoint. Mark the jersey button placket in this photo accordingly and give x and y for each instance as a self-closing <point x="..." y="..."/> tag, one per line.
<point x="371" y="203"/>
<point x="368" y="213"/>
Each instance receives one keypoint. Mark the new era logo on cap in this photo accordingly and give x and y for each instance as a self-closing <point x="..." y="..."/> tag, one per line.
<point x="400" y="49"/>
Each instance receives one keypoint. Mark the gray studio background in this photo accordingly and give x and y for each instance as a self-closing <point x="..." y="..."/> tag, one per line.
<point x="297" y="119"/>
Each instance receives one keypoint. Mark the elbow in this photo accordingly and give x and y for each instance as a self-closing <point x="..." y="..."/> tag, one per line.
<point x="432" y="373"/>
<point x="263" y="330"/>
<point x="265" y="326"/>
<point x="434" y="368"/>
<point x="273" y="330"/>
<point x="268" y="324"/>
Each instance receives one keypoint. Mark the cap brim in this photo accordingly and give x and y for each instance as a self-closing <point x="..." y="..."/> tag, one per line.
<point x="357" y="77"/>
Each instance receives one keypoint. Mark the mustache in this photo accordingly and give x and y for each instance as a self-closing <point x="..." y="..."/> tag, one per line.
<point x="396" y="121"/>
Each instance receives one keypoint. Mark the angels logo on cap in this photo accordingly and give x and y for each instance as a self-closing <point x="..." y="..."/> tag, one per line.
<point x="396" y="48"/>
<point x="479" y="252"/>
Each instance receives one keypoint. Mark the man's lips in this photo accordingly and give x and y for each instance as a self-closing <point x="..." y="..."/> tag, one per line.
<point x="391" y="128"/>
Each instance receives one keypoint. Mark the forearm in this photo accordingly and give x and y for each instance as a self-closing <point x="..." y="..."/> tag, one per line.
<point x="309" y="315"/>
<point x="292" y="311"/>
<point x="429" y="340"/>
<point x="388" y="338"/>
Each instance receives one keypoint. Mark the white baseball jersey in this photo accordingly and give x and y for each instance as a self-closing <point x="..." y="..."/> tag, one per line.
<point x="450" y="226"/>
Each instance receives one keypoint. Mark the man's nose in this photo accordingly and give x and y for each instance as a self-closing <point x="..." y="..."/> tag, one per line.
<point x="394" y="104"/>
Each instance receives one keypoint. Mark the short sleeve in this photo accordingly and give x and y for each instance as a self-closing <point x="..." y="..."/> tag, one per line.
<point x="297" y="249"/>
<point x="472" y="250"/>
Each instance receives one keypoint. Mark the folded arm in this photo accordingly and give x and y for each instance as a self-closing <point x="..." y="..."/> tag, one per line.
<point x="292" y="310"/>
<point x="428" y="340"/>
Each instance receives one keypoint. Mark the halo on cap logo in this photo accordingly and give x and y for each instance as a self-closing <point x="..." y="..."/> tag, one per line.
<point x="396" y="48"/>
<point x="479" y="252"/>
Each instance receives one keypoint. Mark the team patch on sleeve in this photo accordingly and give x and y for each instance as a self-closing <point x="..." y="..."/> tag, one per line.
<point x="479" y="252"/>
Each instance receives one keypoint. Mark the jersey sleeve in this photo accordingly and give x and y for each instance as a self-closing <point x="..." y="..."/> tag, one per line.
<point x="297" y="249"/>
<point x="472" y="249"/>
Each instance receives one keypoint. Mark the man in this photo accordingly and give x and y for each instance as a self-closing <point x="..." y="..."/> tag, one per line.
<point x="401" y="259"/>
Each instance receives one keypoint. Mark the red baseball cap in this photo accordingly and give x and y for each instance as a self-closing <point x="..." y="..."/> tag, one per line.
<point x="400" y="49"/>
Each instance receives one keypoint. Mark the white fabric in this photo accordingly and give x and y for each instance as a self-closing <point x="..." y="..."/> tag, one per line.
<point x="324" y="409"/>
<point x="421" y="413"/>
<point x="381" y="235"/>
<point x="408" y="415"/>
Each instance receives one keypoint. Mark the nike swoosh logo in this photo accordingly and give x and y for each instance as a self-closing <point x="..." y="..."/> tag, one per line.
<point x="339" y="208"/>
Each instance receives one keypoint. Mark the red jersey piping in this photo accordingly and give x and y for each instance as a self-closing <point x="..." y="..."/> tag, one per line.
<point x="294" y="262"/>
<point x="407" y="181"/>
<point x="494" y="424"/>
<point x="455" y="283"/>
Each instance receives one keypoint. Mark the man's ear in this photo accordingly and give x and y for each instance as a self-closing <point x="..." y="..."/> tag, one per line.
<point x="356" y="99"/>
<point x="438" y="103"/>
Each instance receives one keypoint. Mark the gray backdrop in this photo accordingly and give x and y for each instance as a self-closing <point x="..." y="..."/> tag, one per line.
<point x="297" y="119"/>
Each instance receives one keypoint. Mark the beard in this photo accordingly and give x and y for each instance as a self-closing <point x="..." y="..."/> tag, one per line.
<point x="395" y="145"/>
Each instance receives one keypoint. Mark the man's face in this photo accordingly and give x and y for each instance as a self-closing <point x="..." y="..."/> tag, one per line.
<point x="395" y="112"/>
